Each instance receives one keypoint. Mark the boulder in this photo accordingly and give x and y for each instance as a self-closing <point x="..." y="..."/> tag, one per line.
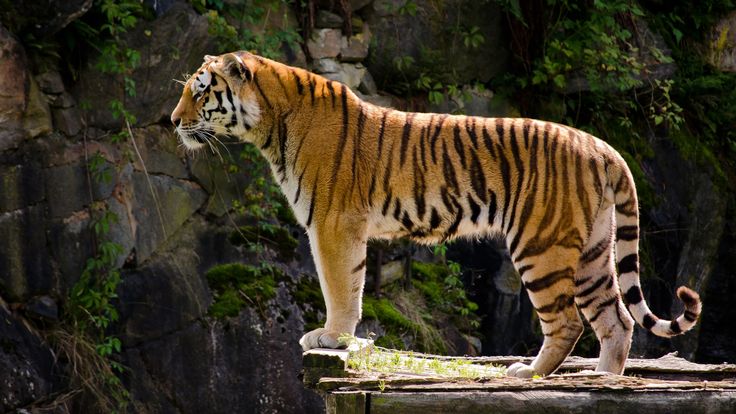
<point x="327" y="20"/>
<point x="170" y="47"/>
<point x="325" y="65"/>
<point x="324" y="43"/>
<point x="355" y="47"/>
<point x="350" y="74"/>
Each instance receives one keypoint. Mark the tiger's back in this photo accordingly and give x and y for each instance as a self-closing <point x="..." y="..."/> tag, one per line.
<point x="563" y="200"/>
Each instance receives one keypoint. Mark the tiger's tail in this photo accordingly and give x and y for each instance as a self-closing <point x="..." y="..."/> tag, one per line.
<point x="621" y="182"/>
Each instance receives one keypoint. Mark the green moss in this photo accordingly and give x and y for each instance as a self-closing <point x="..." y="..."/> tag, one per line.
<point x="236" y="285"/>
<point x="385" y="312"/>
<point x="228" y="304"/>
<point x="273" y="236"/>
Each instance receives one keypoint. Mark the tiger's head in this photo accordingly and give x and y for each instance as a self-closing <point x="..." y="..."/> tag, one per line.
<point x="219" y="99"/>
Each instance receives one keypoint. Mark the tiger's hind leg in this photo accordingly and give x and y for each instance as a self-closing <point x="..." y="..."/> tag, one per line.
<point x="548" y="279"/>
<point x="598" y="298"/>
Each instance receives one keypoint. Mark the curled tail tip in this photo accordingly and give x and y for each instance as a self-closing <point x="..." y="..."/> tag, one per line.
<point x="690" y="298"/>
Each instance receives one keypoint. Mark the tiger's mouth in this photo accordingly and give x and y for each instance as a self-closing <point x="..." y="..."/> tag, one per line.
<point x="197" y="138"/>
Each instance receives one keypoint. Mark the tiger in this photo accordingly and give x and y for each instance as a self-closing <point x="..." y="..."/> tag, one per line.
<point x="564" y="201"/>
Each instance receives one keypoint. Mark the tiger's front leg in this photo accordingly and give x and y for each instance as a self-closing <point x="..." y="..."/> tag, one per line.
<point x="339" y="252"/>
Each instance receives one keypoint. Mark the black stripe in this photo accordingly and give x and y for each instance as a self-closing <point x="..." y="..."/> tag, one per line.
<point x="405" y="138"/>
<point x="455" y="224"/>
<point x="602" y="308"/>
<point x="381" y="132"/>
<point x="360" y="266"/>
<point x="298" y="80"/>
<point x="331" y="89"/>
<point x="283" y="136"/>
<point x="561" y="302"/>
<point x="397" y="209"/>
<point x="594" y="287"/>
<point x="419" y="188"/>
<point x="434" y="220"/>
<point x="520" y="178"/>
<point x="690" y="316"/>
<point x="487" y="141"/>
<point x="548" y="280"/>
<point x="341" y="145"/>
<point x="313" y="201"/>
<point x="675" y="327"/>
<point x="474" y="209"/>
<point x="596" y="251"/>
<point x="312" y="86"/>
<point x="500" y="131"/>
<point x="478" y="178"/>
<point x="629" y="263"/>
<point x="406" y="221"/>
<point x="386" y="203"/>
<point x="492" y="207"/>
<point x="524" y="269"/>
<point x="633" y="295"/>
<point x="649" y="321"/>
<point x="627" y="233"/>
<point x="449" y="170"/>
<point x="357" y="139"/>
<point x="269" y="140"/>
<point x="459" y="145"/>
<point x="582" y="280"/>
<point x="263" y="95"/>
<point x="470" y="129"/>
<point x="299" y="186"/>
<point x="436" y="135"/>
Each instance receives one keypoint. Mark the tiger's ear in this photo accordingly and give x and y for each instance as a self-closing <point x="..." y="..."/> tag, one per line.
<point x="234" y="66"/>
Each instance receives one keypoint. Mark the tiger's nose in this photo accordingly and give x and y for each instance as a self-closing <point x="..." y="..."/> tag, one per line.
<point x="175" y="120"/>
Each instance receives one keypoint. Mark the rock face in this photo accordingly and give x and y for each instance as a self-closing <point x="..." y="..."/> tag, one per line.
<point x="720" y="46"/>
<point x="27" y="365"/>
<point x="426" y="35"/>
<point x="170" y="47"/>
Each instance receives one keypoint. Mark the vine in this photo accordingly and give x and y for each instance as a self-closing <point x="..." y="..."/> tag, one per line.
<point x="85" y="337"/>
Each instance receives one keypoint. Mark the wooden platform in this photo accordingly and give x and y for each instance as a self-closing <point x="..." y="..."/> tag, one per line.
<point x="665" y="385"/>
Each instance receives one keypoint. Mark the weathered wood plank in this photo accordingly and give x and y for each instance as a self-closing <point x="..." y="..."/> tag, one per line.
<point x="552" y="402"/>
<point x="346" y="403"/>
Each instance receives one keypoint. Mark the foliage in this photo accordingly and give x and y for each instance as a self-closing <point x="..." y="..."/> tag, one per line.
<point x="243" y="25"/>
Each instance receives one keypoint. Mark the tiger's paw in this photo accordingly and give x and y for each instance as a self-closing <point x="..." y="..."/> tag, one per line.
<point x="320" y="338"/>
<point x="520" y="370"/>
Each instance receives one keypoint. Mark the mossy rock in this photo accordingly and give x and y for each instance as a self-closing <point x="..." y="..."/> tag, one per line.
<point x="236" y="285"/>
<point x="308" y="295"/>
<point x="275" y="237"/>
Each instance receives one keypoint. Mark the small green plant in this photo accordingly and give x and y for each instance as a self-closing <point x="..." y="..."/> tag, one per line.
<point x="365" y="356"/>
